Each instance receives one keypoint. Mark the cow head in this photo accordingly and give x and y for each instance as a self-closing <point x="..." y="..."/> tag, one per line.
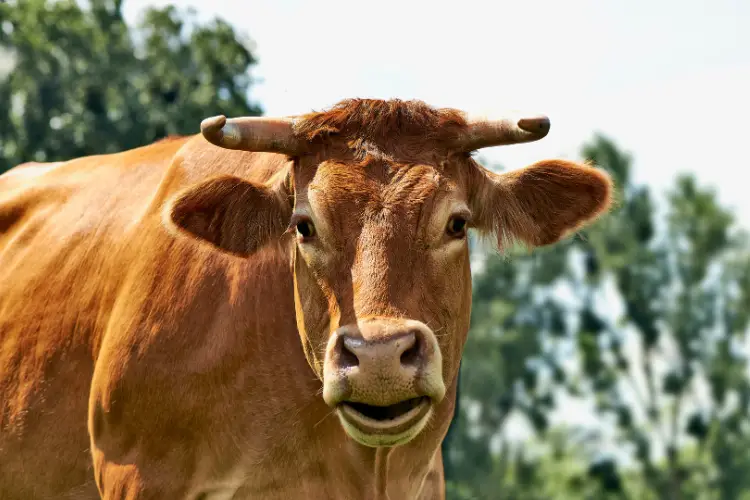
<point x="377" y="200"/>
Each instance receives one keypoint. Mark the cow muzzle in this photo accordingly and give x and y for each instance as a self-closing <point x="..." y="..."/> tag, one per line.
<point x="383" y="377"/>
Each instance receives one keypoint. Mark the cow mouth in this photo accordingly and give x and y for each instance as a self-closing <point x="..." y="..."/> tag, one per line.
<point x="392" y="419"/>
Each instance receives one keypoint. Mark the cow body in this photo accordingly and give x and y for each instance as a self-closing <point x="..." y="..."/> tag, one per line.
<point x="139" y="362"/>
<point x="200" y="349"/>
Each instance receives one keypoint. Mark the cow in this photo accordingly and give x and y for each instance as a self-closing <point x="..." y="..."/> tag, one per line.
<point x="274" y="308"/>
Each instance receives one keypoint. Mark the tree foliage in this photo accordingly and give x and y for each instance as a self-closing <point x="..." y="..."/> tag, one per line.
<point x="645" y="316"/>
<point x="84" y="82"/>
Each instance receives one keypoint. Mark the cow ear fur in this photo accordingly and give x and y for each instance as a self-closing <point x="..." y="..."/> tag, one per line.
<point x="544" y="202"/>
<point x="232" y="214"/>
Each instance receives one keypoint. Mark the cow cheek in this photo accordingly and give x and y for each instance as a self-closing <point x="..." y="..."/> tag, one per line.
<point x="454" y="298"/>
<point x="312" y="314"/>
<point x="463" y="315"/>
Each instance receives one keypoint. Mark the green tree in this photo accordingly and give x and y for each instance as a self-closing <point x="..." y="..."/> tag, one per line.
<point x="652" y="326"/>
<point x="84" y="82"/>
<point x="669" y="368"/>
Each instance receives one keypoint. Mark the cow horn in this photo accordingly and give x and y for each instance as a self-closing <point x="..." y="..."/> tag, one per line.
<point x="257" y="133"/>
<point x="484" y="132"/>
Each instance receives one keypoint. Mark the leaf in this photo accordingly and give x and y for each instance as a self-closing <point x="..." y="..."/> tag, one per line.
<point x="697" y="426"/>
<point x="674" y="383"/>
<point x="606" y="472"/>
<point x="624" y="417"/>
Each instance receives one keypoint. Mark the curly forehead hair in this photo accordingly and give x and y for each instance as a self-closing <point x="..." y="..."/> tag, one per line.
<point x="376" y="119"/>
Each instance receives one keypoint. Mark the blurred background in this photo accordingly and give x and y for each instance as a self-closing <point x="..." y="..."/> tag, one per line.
<point x="613" y="365"/>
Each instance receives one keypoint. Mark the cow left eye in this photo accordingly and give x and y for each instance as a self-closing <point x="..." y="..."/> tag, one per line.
<point x="456" y="227"/>
<point x="306" y="229"/>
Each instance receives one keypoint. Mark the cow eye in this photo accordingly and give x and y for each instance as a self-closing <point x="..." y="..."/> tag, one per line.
<point x="456" y="227"/>
<point x="306" y="229"/>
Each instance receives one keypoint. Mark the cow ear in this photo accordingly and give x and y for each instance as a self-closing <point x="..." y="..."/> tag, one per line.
<point x="233" y="215"/>
<point x="542" y="203"/>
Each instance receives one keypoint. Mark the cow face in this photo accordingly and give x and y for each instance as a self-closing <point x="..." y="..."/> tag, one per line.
<point x="382" y="287"/>
<point x="381" y="263"/>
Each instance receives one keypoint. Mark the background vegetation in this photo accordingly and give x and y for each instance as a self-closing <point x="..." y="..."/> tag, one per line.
<point x="638" y="326"/>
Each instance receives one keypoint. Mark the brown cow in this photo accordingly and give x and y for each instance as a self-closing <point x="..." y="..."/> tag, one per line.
<point x="281" y="317"/>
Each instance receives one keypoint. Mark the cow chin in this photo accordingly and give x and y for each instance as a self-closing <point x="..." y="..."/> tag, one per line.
<point x="385" y="426"/>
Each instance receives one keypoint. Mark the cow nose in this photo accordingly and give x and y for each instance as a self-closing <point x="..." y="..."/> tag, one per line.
<point x="401" y="350"/>
<point x="382" y="363"/>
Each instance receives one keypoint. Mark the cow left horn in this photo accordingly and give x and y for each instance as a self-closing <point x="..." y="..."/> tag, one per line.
<point x="484" y="132"/>
<point x="273" y="135"/>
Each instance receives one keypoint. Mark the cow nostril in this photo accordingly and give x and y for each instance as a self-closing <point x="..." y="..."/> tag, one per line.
<point x="347" y="358"/>
<point x="410" y="356"/>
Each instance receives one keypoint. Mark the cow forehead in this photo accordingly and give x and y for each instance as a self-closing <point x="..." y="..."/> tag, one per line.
<point x="377" y="185"/>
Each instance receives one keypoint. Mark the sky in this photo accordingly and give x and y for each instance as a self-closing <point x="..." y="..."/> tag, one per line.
<point x="667" y="81"/>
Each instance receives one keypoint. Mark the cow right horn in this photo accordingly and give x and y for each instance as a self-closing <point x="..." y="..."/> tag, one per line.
<point x="273" y="135"/>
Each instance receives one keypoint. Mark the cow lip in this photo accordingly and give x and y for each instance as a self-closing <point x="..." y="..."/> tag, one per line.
<point x="386" y="419"/>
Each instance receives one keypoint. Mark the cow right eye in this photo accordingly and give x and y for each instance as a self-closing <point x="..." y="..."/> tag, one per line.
<point x="306" y="229"/>
<point x="456" y="227"/>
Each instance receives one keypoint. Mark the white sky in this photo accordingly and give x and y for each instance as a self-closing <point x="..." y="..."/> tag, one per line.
<point x="668" y="80"/>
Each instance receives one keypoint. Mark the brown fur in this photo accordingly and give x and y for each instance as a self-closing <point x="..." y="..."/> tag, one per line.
<point x="141" y="358"/>
<point x="369" y="125"/>
<point x="377" y="119"/>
